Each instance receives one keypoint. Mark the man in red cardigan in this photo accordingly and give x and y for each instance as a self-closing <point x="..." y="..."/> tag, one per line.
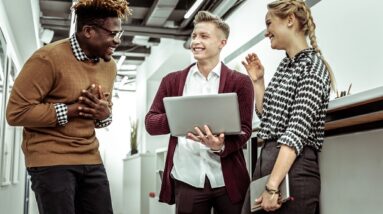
<point x="204" y="170"/>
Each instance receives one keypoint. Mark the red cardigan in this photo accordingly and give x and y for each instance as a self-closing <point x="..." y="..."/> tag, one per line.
<point x="233" y="162"/>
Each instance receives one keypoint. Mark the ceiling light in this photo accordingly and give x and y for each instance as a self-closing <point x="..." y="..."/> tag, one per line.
<point x="128" y="67"/>
<point x="120" y="62"/>
<point x="193" y="8"/>
<point x="72" y="28"/>
<point x="46" y="36"/>
<point x="140" y="40"/>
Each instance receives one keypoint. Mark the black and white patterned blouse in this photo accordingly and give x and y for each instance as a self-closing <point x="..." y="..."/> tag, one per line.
<point x="295" y="102"/>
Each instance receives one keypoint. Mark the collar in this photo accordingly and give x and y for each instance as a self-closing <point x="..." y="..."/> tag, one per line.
<point x="302" y="53"/>
<point x="183" y="74"/>
<point x="78" y="52"/>
<point x="216" y="70"/>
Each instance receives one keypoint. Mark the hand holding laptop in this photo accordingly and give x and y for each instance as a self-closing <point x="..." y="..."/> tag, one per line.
<point x="214" y="142"/>
<point x="273" y="200"/>
<point x="258" y="193"/>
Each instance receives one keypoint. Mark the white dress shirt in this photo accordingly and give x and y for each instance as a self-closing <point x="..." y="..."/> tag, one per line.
<point x="192" y="160"/>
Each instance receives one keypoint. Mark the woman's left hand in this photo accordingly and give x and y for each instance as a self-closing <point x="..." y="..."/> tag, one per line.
<point x="269" y="202"/>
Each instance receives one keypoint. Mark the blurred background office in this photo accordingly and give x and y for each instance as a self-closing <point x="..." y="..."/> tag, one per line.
<point x="155" y="42"/>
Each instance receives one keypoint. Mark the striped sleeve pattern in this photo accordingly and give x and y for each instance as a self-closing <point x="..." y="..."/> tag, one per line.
<point x="296" y="101"/>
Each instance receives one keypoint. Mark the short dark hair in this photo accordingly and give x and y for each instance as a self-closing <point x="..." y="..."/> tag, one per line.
<point x="205" y="16"/>
<point x="91" y="11"/>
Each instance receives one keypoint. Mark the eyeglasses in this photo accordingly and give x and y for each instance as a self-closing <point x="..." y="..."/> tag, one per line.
<point x="115" y="34"/>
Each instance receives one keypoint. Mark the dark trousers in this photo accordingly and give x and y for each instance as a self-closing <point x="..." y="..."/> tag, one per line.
<point x="80" y="189"/>
<point x="304" y="181"/>
<point x="201" y="200"/>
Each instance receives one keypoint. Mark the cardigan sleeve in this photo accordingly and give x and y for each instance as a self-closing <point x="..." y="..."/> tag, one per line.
<point x="156" y="122"/>
<point x="245" y="95"/>
<point x="26" y="105"/>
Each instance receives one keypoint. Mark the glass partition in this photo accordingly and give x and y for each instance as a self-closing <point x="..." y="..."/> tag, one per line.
<point x="10" y="137"/>
<point x="2" y="104"/>
<point x="2" y="79"/>
<point x="8" y="131"/>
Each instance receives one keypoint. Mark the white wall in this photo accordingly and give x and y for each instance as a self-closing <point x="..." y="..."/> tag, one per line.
<point x="12" y="195"/>
<point x="20" y="18"/>
<point x="347" y="32"/>
<point x="168" y="56"/>
<point x="352" y="172"/>
<point x="115" y="144"/>
<point x="8" y="34"/>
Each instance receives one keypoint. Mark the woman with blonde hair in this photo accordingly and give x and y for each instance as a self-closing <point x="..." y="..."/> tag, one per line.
<point x="292" y="110"/>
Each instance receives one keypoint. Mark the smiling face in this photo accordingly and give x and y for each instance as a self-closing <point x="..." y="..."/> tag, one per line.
<point x="278" y="31"/>
<point x="207" y="41"/>
<point x="104" y="39"/>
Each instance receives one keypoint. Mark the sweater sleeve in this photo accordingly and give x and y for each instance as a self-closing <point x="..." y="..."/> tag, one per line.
<point x="26" y="106"/>
<point x="156" y="122"/>
<point x="245" y="95"/>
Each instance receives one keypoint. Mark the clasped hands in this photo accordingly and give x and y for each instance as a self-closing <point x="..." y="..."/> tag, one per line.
<point x="214" y="142"/>
<point x="92" y="104"/>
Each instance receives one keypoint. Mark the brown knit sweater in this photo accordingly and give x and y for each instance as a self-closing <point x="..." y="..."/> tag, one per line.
<point x="53" y="75"/>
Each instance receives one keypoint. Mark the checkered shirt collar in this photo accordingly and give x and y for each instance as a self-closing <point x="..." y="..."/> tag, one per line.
<point x="78" y="52"/>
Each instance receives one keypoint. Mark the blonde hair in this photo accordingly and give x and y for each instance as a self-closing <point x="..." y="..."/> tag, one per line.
<point x="284" y="8"/>
<point x="89" y="11"/>
<point x="205" y="16"/>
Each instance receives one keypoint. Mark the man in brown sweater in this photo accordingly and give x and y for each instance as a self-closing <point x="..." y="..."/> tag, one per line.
<point x="201" y="171"/>
<point x="49" y="99"/>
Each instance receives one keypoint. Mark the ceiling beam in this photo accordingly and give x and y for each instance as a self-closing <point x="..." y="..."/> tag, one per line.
<point x="140" y="51"/>
<point x="159" y="12"/>
<point x="130" y="30"/>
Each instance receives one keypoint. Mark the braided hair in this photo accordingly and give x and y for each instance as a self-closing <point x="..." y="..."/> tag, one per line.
<point x="284" y="8"/>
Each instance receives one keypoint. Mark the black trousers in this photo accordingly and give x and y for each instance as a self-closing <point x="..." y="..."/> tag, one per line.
<point x="79" y="189"/>
<point x="194" y="200"/>
<point x="304" y="180"/>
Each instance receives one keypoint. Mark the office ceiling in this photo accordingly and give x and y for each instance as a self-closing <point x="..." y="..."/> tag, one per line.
<point x="151" y="21"/>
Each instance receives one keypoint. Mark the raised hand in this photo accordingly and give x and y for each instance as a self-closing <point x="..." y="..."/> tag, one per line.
<point x="254" y="67"/>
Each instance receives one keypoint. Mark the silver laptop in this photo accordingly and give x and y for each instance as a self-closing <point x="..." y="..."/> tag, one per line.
<point x="258" y="186"/>
<point x="219" y="111"/>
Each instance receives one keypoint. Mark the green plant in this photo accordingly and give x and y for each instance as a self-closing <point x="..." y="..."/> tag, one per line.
<point x="133" y="137"/>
